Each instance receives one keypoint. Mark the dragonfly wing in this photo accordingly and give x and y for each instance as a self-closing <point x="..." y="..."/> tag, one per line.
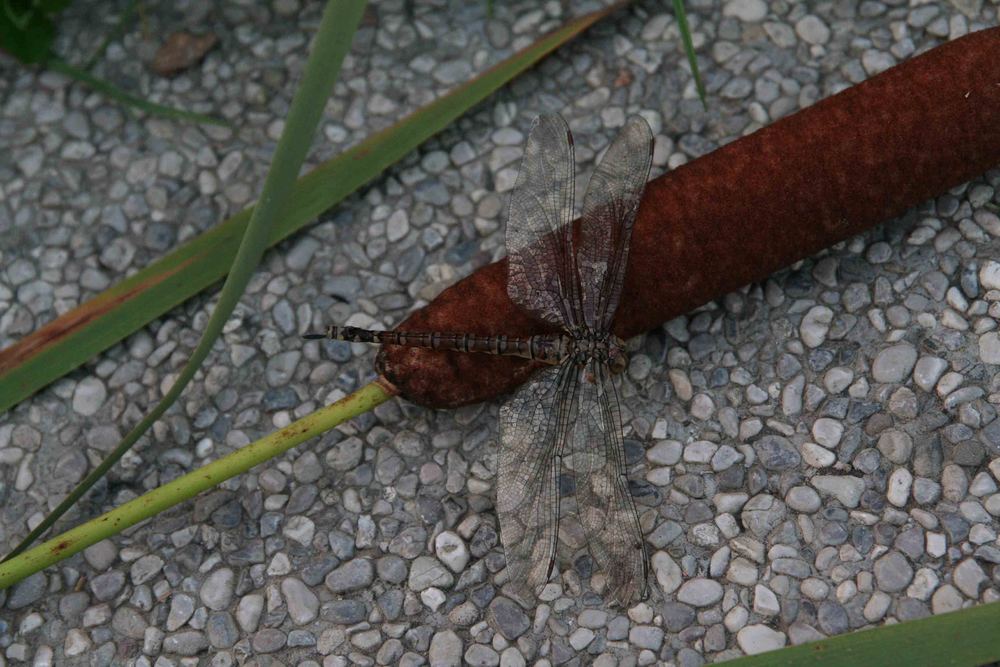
<point x="609" y="210"/>
<point x="596" y="454"/>
<point x="541" y="272"/>
<point x="533" y="425"/>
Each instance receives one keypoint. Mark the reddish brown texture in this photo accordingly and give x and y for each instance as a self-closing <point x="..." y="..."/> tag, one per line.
<point x="750" y="208"/>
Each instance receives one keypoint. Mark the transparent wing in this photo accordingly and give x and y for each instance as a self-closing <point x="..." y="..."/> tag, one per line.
<point x="541" y="275"/>
<point x="533" y="426"/>
<point x="609" y="209"/>
<point x="596" y="455"/>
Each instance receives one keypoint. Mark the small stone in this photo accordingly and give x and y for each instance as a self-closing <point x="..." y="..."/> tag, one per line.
<point x="451" y="550"/>
<point x="894" y="363"/>
<point x="107" y="585"/>
<point x="777" y="453"/>
<point x="969" y="577"/>
<point x="427" y="571"/>
<point x="765" y="602"/>
<point x="101" y="555"/>
<point x="89" y="396"/>
<point x="445" y="649"/>
<point x="815" y="325"/>
<point x="248" y="611"/>
<point x="145" y="568"/>
<point x="946" y="599"/>
<point x="989" y="275"/>
<point x="187" y="643"/>
<point x="989" y="347"/>
<point x="480" y="655"/>
<point x="837" y="379"/>
<point x="812" y="29"/>
<point x="579" y="639"/>
<point x="351" y="576"/>
<point x="646" y="637"/>
<point x="754" y="639"/>
<point x="897" y="446"/>
<point x="217" y="591"/>
<point x="303" y="605"/>
<point x="181" y="608"/>
<point x="900" y="483"/>
<point x="31" y="589"/>
<point x="927" y="371"/>
<point x="762" y="513"/>
<point x="700" y="592"/>
<point x="221" y="630"/>
<point x="893" y="572"/>
<point x="508" y="618"/>
<point x="816" y="456"/>
<point x="827" y="432"/>
<point x="845" y="488"/>
<point x="876" y="606"/>
<point x="832" y="617"/>
<point x="803" y="499"/>
<point x="668" y="573"/>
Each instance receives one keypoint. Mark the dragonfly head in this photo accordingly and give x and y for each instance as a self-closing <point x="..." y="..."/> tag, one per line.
<point x="617" y="355"/>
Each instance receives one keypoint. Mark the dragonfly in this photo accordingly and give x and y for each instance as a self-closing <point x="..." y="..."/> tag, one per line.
<point x="561" y="436"/>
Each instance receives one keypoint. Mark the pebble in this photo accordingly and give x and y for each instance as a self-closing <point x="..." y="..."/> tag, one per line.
<point x="89" y="396"/>
<point x="969" y="577"/>
<point x="754" y="639"/>
<point x="900" y="483"/>
<point x="783" y="436"/>
<point x="303" y="605"/>
<point x="28" y="591"/>
<point x="354" y="575"/>
<point x="893" y="572"/>
<point x="700" y="592"/>
<point x="894" y="363"/>
<point x="845" y="488"/>
<point x="897" y="446"/>
<point x="812" y="30"/>
<point x="989" y="348"/>
<point x="217" y="591"/>
<point x="803" y="499"/>
<point x="451" y="550"/>
<point x="445" y="649"/>
<point x="748" y="11"/>
<point x="425" y="572"/>
<point x="989" y="275"/>
<point x="668" y="573"/>
<point x="827" y="432"/>
<point x="927" y="372"/>
<point x="816" y="325"/>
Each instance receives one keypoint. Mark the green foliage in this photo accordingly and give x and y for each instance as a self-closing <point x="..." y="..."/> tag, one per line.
<point x="26" y="27"/>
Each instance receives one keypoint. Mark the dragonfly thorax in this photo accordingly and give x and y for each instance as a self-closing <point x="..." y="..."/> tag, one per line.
<point x="602" y="347"/>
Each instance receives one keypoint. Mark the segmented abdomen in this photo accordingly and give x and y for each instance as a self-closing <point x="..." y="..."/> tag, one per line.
<point x="546" y="348"/>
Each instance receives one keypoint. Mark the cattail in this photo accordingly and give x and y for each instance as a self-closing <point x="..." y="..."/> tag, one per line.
<point x="748" y="209"/>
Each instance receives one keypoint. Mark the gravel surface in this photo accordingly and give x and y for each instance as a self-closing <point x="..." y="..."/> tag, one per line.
<point x="812" y="455"/>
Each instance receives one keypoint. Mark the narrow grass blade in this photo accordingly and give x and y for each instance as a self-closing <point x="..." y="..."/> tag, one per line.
<point x="333" y="40"/>
<point x="70" y="340"/>
<point x="115" y="31"/>
<point x="191" y="484"/>
<point x="682" y="24"/>
<point x="966" y="638"/>
<point x="100" y="85"/>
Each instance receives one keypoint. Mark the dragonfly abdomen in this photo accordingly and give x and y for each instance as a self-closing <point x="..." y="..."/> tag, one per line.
<point x="550" y="349"/>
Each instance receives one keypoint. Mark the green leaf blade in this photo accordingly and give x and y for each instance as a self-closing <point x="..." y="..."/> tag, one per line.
<point x="75" y="337"/>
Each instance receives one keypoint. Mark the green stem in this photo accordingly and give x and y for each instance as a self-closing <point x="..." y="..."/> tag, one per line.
<point x="114" y="33"/>
<point x="193" y="483"/>
<point x="333" y="39"/>
<point x="100" y="85"/>
<point x="682" y="24"/>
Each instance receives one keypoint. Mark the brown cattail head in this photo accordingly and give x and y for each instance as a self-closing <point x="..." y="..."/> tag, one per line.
<point x="750" y="208"/>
